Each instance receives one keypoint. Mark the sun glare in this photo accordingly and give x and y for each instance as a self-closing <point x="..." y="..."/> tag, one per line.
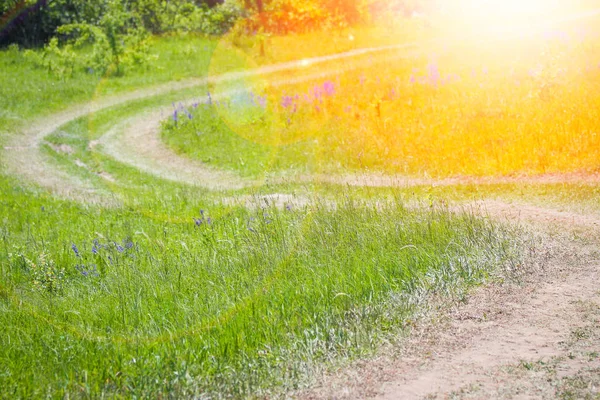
<point x="508" y="8"/>
<point x="502" y="16"/>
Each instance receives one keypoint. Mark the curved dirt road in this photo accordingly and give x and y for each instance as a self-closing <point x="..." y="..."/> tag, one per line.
<point x="531" y="339"/>
<point x="491" y="347"/>
<point x="22" y="155"/>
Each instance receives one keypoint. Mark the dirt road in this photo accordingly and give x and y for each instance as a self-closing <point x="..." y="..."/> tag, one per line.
<point x="536" y="338"/>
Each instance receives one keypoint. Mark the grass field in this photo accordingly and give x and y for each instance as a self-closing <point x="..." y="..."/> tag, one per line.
<point x="471" y="109"/>
<point x="181" y="301"/>
<point x="167" y="289"/>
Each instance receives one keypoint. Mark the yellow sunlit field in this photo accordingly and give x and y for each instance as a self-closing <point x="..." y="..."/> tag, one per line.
<point x="312" y="199"/>
<point x="524" y="104"/>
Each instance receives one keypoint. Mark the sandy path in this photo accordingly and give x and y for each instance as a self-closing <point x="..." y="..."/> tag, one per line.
<point x="140" y="145"/>
<point x="499" y="327"/>
<point x="531" y="328"/>
<point x="22" y="156"/>
<point x="468" y="354"/>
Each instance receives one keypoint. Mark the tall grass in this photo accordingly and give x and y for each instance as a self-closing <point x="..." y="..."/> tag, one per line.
<point x="183" y="301"/>
<point x="499" y="108"/>
<point x="172" y="293"/>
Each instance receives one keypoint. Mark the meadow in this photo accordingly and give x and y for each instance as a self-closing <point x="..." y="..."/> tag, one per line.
<point x="466" y="109"/>
<point x="168" y="289"/>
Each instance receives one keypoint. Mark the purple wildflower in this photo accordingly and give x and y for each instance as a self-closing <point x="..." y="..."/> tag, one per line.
<point x="433" y="73"/>
<point x="75" y="250"/>
<point x="329" y="88"/>
<point x="82" y="269"/>
<point x="318" y="92"/>
<point x="262" y="101"/>
<point x="249" y="225"/>
<point x="202" y="219"/>
<point x="85" y="271"/>
<point x="287" y="101"/>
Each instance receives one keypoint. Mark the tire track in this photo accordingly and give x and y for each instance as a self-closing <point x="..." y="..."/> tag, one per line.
<point x="22" y="156"/>
<point x="474" y="350"/>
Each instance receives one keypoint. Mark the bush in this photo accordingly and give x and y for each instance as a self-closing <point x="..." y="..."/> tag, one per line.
<point x="299" y="16"/>
<point x="33" y="23"/>
<point x="116" y="42"/>
<point x="211" y="21"/>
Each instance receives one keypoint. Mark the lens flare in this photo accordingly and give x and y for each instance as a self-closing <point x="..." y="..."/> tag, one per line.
<point x="508" y="8"/>
<point x="501" y="17"/>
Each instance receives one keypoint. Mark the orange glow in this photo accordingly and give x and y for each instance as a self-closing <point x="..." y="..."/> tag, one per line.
<point x="499" y="9"/>
<point x="499" y="17"/>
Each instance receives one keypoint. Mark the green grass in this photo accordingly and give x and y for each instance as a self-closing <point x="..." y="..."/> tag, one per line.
<point x="477" y="110"/>
<point x="159" y="302"/>
<point x="243" y="302"/>
<point x="29" y="92"/>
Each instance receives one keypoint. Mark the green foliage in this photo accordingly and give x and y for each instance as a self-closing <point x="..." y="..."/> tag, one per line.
<point x="116" y="42"/>
<point x="9" y="6"/>
<point x="44" y="274"/>
<point x="184" y="16"/>
<point x="229" y="303"/>
<point x="297" y="16"/>
<point x="38" y="23"/>
<point x="218" y="20"/>
<point x="29" y="92"/>
<point x="118" y="39"/>
<point x="35" y="22"/>
<point x="285" y="16"/>
<point x="60" y="61"/>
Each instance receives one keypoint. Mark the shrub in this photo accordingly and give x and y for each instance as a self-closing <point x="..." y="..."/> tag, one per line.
<point x="204" y="19"/>
<point x="117" y="41"/>
<point x="45" y="275"/>
<point x="299" y="16"/>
